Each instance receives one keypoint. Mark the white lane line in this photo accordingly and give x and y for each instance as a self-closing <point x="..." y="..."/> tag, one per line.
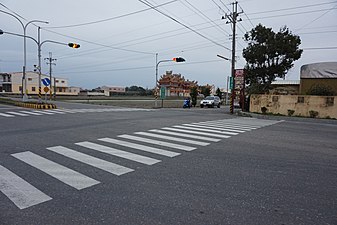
<point x="90" y="160"/>
<point x="17" y="114"/>
<point x="19" y="191"/>
<point x="62" y="173"/>
<point x="160" y="143"/>
<point x="232" y="125"/>
<point x="228" y="126"/>
<point x="43" y="112"/>
<point x="32" y="113"/>
<point x="195" y="132"/>
<point x="186" y="135"/>
<point x="215" y="128"/>
<point x="6" y="115"/>
<point x="119" y="153"/>
<point x="206" y="130"/>
<point x="65" y="110"/>
<point x="173" y="138"/>
<point x="140" y="147"/>
<point x="54" y="111"/>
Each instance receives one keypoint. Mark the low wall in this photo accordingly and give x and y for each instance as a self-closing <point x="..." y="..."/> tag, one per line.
<point x="295" y="105"/>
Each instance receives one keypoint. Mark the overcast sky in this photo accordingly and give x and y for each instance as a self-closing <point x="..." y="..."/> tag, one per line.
<point x="119" y="39"/>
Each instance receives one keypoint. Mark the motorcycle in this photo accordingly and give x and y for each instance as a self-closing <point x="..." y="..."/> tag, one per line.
<point x="187" y="103"/>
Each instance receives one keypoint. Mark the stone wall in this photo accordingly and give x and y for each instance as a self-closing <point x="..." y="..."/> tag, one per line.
<point x="295" y="105"/>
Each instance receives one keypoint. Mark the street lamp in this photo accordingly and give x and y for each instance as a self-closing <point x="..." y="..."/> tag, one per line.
<point x="232" y="100"/>
<point x="39" y="45"/>
<point x="178" y="59"/>
<point x="24" y="27"/>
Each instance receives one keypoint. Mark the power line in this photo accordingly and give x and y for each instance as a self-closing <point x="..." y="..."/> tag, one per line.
<point x="112" y="18"/>
<point x="182" y="24"/>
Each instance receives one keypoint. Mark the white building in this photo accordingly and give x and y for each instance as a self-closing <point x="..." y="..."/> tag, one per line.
<point x="14" y="81"/>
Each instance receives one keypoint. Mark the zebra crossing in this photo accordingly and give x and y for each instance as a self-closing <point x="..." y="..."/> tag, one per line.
<point x="160" y="144"/>
<point x="25" y="113"/>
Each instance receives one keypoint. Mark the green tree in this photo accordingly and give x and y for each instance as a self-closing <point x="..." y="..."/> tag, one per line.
<point x="218" y="92"/>
<point x="269" y="55"/>
<point x="194" y="95"/>
<point x="206" y="90"/>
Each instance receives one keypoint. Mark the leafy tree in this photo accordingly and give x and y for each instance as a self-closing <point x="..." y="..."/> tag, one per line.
<point x="218" y="92"/>
<point x="269" y="55"/>
<point x="194" y="95"/>
<point x="206" y="90"/>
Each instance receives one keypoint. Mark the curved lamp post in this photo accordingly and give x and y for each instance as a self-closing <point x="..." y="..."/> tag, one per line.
<point x="24" y="27"/>
<point x="39" y="45"/>
<point x="178" y="59"/>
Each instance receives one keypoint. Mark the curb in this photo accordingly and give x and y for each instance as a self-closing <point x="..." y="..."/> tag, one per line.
<point x="35" y="105"/>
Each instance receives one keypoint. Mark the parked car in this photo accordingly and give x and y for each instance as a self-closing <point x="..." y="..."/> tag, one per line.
<point x="211" y="101"/>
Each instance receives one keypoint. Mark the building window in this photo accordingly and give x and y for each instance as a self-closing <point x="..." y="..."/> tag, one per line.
<point x="20" y="88"/>
<point x="300" y="100"/>
<point x="62" y="81"/>
<point x="30" y="79"/>
<point x="57" y="81"/>
<point x="275" y="99"/>
<point x="33" y="89"/>
<point x="330" y="101"/>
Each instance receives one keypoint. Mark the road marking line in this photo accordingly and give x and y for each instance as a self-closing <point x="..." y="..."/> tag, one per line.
<point x="160" y="143"/>
<point x="65" y="110"/>
<point x="17" y="114"/>
<point x="227" y="126"/>
<point x="173" y="138"/>
<point x="19" y="191"/>
<point x="206" y="130"/>
<point x="32" y="113"/>
<point x="119" y="153"/>
<point x="62" y="173"/>
<point x="140" y="147"/>
<point x="54" y="111"/>
<point x="186" y="135"/>
<point x="196" y="132"/>
<point x="6" y="115"/>
<point x="90" y="160"/>
<point x="214" y="128"/>
<point x="43" y="112"/>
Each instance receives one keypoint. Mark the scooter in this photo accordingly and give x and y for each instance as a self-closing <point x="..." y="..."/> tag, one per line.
<point x="187" y="103"/>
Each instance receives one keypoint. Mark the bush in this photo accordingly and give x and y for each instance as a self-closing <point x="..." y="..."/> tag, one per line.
<point x="313" y="114"/>
<point x="291" y="112"/>
<point x="264" y="110"/>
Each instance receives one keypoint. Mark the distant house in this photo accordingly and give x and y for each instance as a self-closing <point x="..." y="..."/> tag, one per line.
<point x="175" y="84"/>
<point x="324" y="74"/>
<point x="110" y="90"/>
<point x="12" y="83"/>
<point x="285" y="87"/>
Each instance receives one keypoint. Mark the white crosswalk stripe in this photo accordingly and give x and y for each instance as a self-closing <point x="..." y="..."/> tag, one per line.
<point x="44" y="112"/>
<point x="119" y="153"/>
<point x="31" y="113"/>
<point x="54" y="111"/>
<point x="25" y="195"/>
<point x="207" y="130"/>
<point x="215" y="128"/>
<point x="19" y="191"/>
<point x="156" y="142"/>
<point x="92" y="161"/>
<point x="140" y="147"/>
<point x="17" y="114"/>
<point x="186" y="135"/>
<point x="62" y="173"/>
<point x="195" y="132"/>
<point x="6" y="115"/>
<point x="173" y="138"/>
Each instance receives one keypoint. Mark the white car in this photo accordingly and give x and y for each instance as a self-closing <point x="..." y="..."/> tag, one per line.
<point x="210" y="101"/>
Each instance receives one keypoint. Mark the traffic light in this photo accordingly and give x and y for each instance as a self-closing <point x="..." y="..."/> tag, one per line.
<point x="73" y="45"/>
<point x="179" y="59"/>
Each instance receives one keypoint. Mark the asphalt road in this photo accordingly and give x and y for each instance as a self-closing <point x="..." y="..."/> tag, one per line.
<point x="72" y="166"/>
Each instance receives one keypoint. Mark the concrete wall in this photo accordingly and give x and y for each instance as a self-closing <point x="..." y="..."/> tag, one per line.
<point x="326" y="106"/>
<point x="308" y="83"/>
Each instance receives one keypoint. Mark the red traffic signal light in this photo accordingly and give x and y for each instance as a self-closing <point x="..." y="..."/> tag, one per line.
<point x="179" y="59"/>
<point x="73" y="45"/>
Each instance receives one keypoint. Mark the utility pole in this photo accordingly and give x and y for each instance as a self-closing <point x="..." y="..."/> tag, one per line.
<point x="232" y="18"/>
<point x="50" y="61"/>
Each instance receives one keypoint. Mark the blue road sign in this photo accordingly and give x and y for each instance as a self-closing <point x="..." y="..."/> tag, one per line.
<point x="46" y="81"/>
